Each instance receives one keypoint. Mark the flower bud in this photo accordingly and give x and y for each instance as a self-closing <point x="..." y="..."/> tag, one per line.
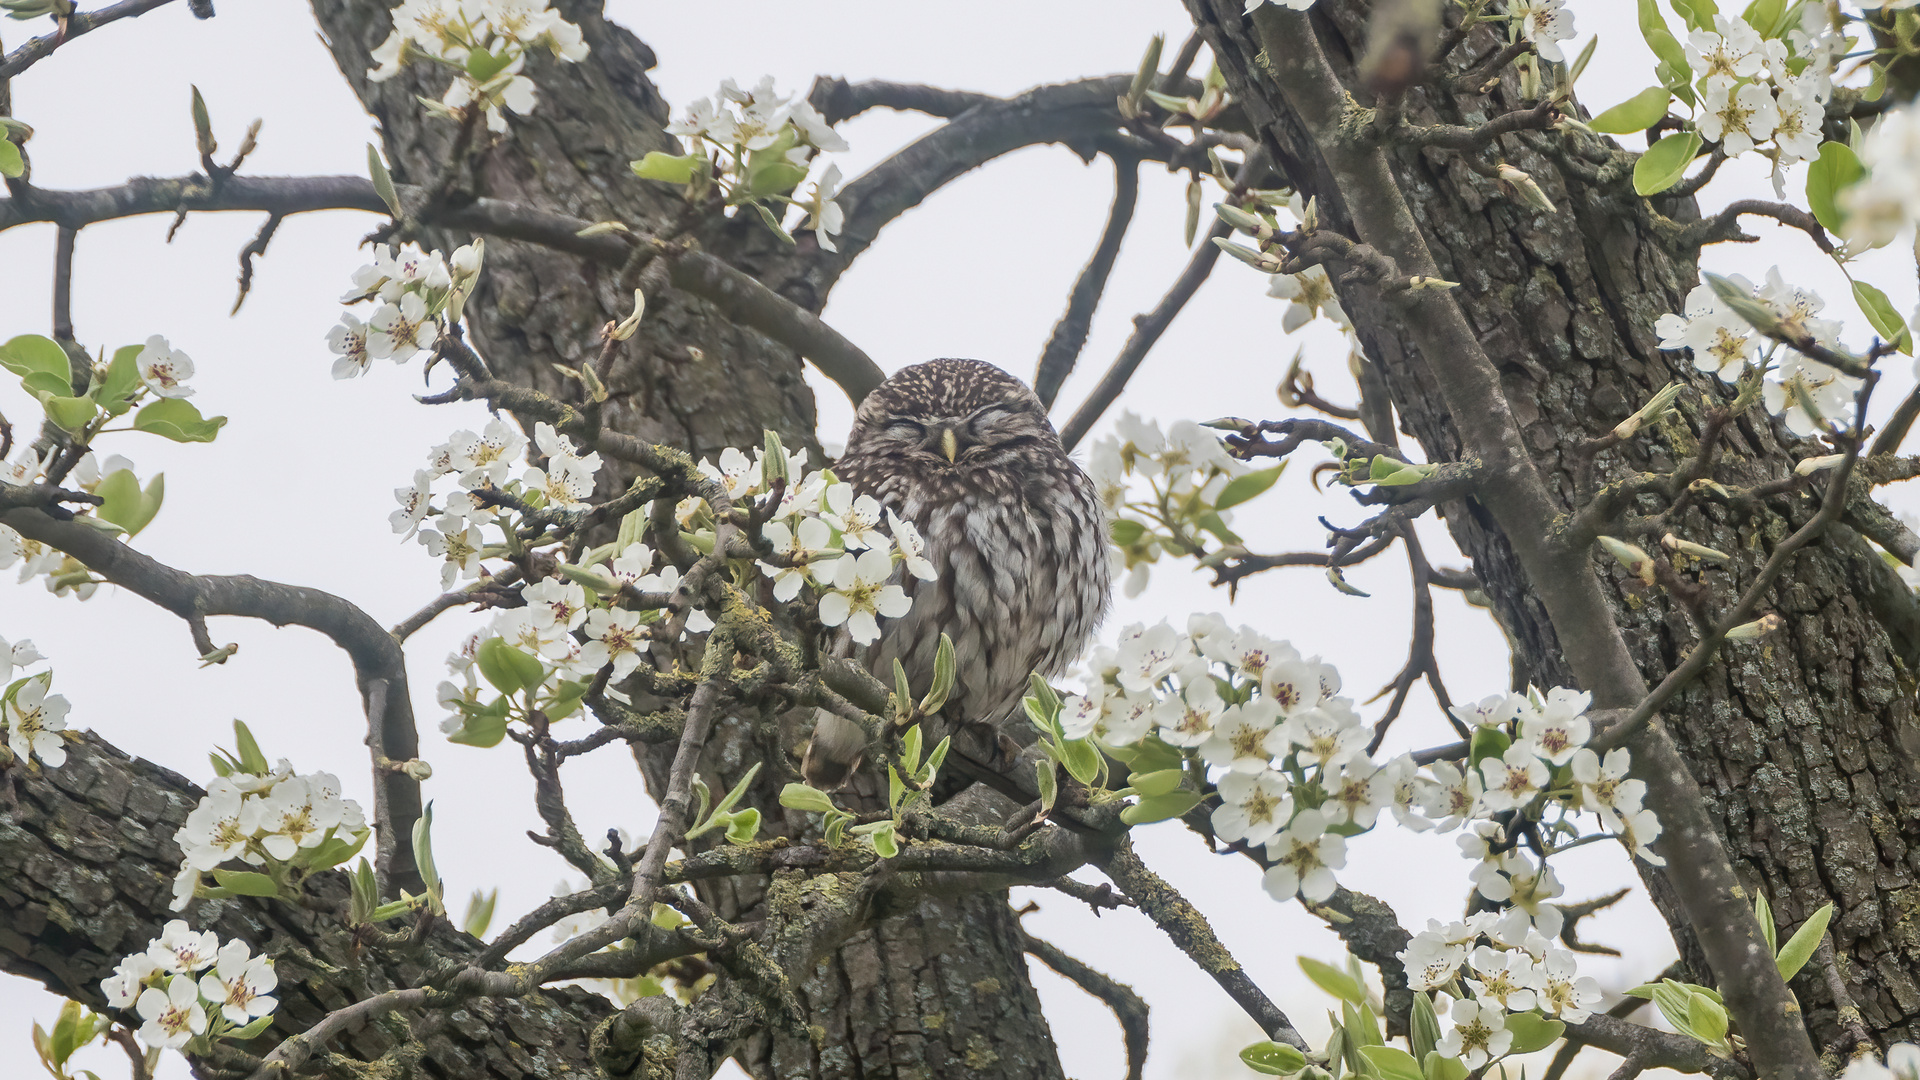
<point x="1244" y="221"/>
<point x="1652" y="411"/>
<point x="1744" y="304"/>
<point x="1143" y="78"/>
<point x="631" y="323"/>
<point x="601" y="228"/>
<point x="1637" y="562"/>
<point x="1263" y="261"/>
<point x="1758" y="628"/>
<point x="1529" y="191"/>
<point x="1688" y="547"/>
<point x="1809" y="466"/>
<point x="1418" y="282"/>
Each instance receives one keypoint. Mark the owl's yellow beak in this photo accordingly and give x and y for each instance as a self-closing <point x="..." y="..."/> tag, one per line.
<point x="949" y="444"/>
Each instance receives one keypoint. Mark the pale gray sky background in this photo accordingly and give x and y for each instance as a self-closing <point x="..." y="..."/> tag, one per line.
<point x="298" y="487"/>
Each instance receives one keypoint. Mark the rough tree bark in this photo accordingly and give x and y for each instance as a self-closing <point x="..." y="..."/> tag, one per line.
<point x="1804" y="746"/>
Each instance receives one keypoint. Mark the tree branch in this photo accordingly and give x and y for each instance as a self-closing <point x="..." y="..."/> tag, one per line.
<point x="1127" y="1006"/>
<point x="1070" y="333"/>
<point x="77" y="24"/>
<point x="376" y="656"/>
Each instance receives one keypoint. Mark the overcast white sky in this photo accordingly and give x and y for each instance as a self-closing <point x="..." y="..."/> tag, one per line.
<point x="299" y="484"/>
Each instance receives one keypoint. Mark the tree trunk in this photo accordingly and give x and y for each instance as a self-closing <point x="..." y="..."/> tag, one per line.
<point x="938" y="992"/>
<point x="1803" y="745"/>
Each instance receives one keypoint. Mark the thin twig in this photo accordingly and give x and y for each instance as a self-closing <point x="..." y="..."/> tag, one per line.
<point x="77" y="24"/>
<point x="1070" y="333"/>
<point x="1128" y="1007"/>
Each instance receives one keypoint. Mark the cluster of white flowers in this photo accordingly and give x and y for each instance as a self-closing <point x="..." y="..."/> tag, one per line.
<point x="1289" y="761"/>
<point x="1186" y="468"/>
<point x="186" y="985"/>
<point x="272" y="819"/>
<point x="412" y="291"/>
<point x="32" y="718"/>
<point x="1902" y="1063"/>
<point x="764" y="145"/>
<point x="1751" y="93"/>
<point x="1810" y="396"/>
<point x="1487" y="976"/>
<point x="824" y="538"/>
<point x="486" y="43"/>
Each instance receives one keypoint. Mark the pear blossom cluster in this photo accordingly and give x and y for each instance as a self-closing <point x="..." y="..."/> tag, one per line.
<point x="1185" y="469"/>
<point x="272" y="820"/>
<point x="1481" y="976"/>
<point x="414" y="293"/>
<point x="756" y="147"/>
<point x="849" y="553"/>
<point x="1288" y="758"/>
<point x="1755" y="90"/>
<point x="485" y="43"/>
<point x="31" y="717"/>
<point x="1808" y="395"/>
<point x="189" y="989"/>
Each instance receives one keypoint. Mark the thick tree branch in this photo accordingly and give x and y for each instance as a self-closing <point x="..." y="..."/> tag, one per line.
<point x="376" y="656"/>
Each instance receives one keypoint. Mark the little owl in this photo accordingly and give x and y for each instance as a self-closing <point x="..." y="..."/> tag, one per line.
<point x="965" y="452"/>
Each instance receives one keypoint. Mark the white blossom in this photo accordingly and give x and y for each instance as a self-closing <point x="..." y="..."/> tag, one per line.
<point x="483" y="460"/>
<point x="1639" y="829"/>
<point x="130" y="975"/>
<point x="1431" y="960"/>
<point x="824" y="215"/>
<point x="182" y="950"/>
<point x="911" y="546"/>
<point x="1253" y="806"/>
<point x="163" y="369"/>
<point x="1327" y="737"/>
<point x="398" y="330"/>
<point x="1563" y="991"/>
<point x="1886" y="201"/>
<point x="1239" y="741"/>
<point x="1546" y="23"/>
<point x="414" y="502"/>
<point x="240" y="984"/>
<point x="349" y="339"/>
<point x="1356" y="792"/>
<point x="857" y="519"/>
<point x="1149" y="654"/>
<point x="1311" y="294"/>
<point x="1722" y="342"/>
<point x="1478" y="1033"/>
<point x="1810" y="396"/>
<point x="799" y="544"/>
<point x="617" y="638"/>
<point x="1603" y="785"/>
<point x="553" y="602"/>
<point x="1738" y="117"/>
<point x="1723" y="56"/>
<point x="173" y="1016"/>
<point x="1559" y="728"/>
<point x="1509" y="977"/>
<point x="34" y="720"/>
<point x="860" y="593"/>
<point x="1303" y="858"/>
<point x="1513" y="778"/>
<point x="220" y="827"/>
<point x="458" y="541"/>
<point x="737" y="474"/>
<point x="1186" y="718"/>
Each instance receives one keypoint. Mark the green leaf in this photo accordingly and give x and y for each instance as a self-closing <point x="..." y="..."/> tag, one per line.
<point x="382" y="180"/>
<point x="1804" y="943"/>
<point x="881" y="836"/>
<point x="1247" y="486"/>
<point x="1765" y="15"/>
<point x="483" y="65"/>
<point x="69" y="413"/>
<point x="744" y="827"/>
<point x="246" y="883"/>
<point x="335" y="850"/>
<point x="1126" y="532"/>
<point x="775" y="176"/>
<point x="1637" y="113"/>
<point x="1438" y="1066"/>
<point x="669" y="168"/>
<point x="1164" y="782"/>
<point x="202" y="124"/>
<point x="1361" y="1023"/>
<point x="1160" y="808"/>
<point x="1489" y="742"/>
<point x="1836" y="169"/>
<point x="423" y="855"/>
<point x="120" y="381"/>
<point x="11" y="163"/>
<point x="566" y="699"/>
<point x="1531" y="1032"/>
<point x="482" y="728"/>
<point x="45" y="384"/>
<point x="1333" y="980"/>
<point x="802" y="797"/>
<point x="249" y="756"/>
<point x="253" y="1029"/>
<point x="1273" y="1059"/>
<point x="177" y="419"/>
<point x="1049" y="784"/>
<point x="1698" y="14"/>
<point x="508" y="668"/>
<point x="29" y="353"/>
<point x="1763" y="913"/>
<point x="945" y="669"/>
<point x="1082" y="760"/>
<point x="1879" y="312"/>
<point x="1664" y="163"/>
<point x="1423" y="1028"/>
<point x="1393" y="1062"/>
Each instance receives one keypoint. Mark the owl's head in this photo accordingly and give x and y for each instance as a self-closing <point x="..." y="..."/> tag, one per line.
<point x="950" y="413"/>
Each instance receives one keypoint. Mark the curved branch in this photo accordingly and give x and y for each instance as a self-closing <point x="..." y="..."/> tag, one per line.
<point x="837" y="99"/>
<point x="42" y="47"/>
<point x="1070" y="333"/>
<point x="376" y="656"/>
<point x="1127" y="1006"/>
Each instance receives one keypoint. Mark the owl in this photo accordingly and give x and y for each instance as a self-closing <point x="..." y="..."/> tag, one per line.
<point x="1013" y="526"/>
